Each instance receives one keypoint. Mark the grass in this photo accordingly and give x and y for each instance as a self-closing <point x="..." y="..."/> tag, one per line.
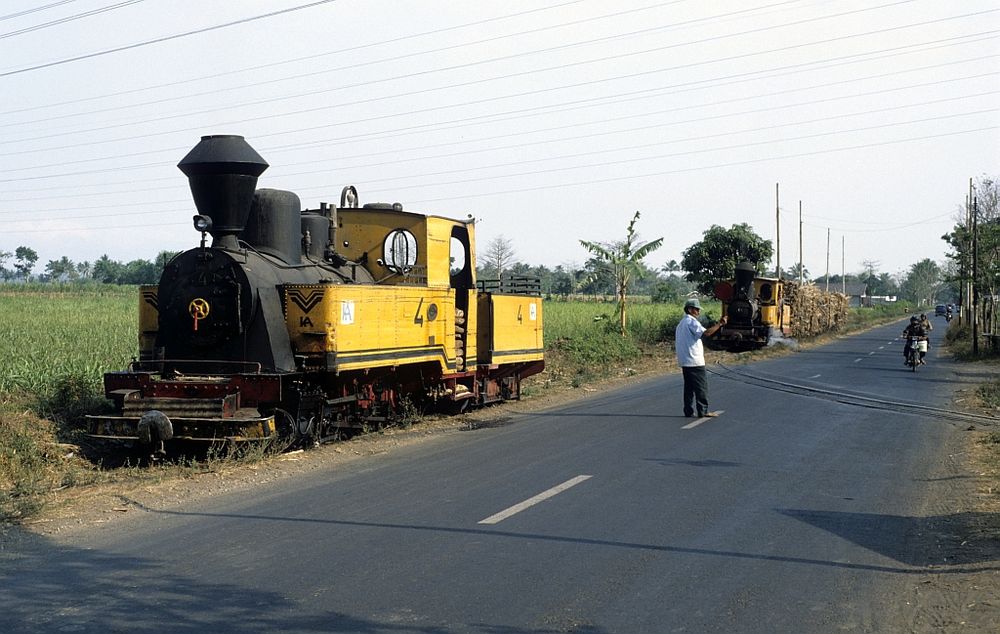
<point x="79" y="332"/>
<point x="583" y="342"/>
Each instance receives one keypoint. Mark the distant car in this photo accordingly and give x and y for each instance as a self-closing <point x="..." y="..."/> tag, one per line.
<point x="940" y="309"/>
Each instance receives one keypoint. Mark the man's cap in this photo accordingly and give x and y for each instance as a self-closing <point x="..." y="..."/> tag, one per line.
<point x="692" y="303"/>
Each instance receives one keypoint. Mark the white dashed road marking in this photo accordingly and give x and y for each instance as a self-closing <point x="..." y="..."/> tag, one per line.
<point x="701" y="420"/>
<point x="815" y="376"/>
<point x="858" y="359"/>
<point x="541" y="497"/>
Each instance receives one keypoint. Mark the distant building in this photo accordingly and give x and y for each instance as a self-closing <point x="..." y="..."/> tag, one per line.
<point x="878" y="300"/>
<point x="857" y="294"/>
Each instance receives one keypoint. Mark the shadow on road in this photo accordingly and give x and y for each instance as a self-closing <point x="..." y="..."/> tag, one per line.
<point x="960" y="539"/>
<point x="45" y="587"/>
<point x="899" y="530"/>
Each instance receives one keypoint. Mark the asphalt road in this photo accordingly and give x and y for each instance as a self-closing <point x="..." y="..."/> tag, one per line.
<point x="786" y="513"/>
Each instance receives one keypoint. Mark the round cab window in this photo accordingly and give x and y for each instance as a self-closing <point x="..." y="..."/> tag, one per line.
<point x="400" y="251"/>
<point x="457" y="256"/>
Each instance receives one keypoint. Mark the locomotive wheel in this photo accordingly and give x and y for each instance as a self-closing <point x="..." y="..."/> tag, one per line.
<point x="455" y="407"/>
<point x="291" y="432"/>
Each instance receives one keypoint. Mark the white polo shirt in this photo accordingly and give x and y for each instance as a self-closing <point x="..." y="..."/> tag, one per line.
<point x="687" y="340"/>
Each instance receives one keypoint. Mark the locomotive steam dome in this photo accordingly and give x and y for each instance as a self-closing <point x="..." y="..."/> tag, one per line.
<point x="222" y="171"/>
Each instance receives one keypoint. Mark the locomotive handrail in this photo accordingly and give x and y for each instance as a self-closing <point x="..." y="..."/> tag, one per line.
<point x="514" y="285"/>
<point x="159" y="364"/>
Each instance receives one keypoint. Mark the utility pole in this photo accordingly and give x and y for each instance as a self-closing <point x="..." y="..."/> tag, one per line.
<point x="975" y="276"/>
<point x="963" y="272"/>
<point x="843" y="265"/>
<point x="777" y="234"/>
<point x="800" y="243"/>
<point x="967" y="308"/>
<point x="828" y="259"/>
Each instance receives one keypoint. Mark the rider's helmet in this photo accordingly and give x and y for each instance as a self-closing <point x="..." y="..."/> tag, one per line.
<point x="914" y="319"/>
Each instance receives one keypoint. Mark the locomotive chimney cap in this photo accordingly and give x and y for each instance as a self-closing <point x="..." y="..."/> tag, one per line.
<point x="223" y="154"/>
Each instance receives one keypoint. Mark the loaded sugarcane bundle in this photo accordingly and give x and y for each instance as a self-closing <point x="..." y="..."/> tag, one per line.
<point x="814" y="311"/>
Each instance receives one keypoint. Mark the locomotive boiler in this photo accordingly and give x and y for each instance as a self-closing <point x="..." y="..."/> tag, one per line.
<point x="300" y="324"/>
<point x="755" y="307"/>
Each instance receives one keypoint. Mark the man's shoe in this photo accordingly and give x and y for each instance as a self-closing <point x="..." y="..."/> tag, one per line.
<point x="710" y="415"/>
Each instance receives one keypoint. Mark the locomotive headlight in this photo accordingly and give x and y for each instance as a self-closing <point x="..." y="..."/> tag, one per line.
<point x="202" y="223"/>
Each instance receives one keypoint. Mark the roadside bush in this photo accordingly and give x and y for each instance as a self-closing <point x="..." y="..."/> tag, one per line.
<point x="28" y="464"/>
<point x="989" y="392"/>
<point x="959" y="341"/>
<point x="70" y="398"/>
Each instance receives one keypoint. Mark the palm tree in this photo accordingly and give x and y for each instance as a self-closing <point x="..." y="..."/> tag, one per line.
<point x="625" y="259"/>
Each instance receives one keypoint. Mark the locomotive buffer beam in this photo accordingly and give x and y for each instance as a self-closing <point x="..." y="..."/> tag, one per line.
<point x="148" y="420"/>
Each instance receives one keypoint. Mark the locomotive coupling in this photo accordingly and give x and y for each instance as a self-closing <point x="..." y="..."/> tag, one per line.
<point x="154" y="426"/>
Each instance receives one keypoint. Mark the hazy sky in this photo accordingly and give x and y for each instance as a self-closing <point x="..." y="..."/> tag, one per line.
<point x="550" y="121"/>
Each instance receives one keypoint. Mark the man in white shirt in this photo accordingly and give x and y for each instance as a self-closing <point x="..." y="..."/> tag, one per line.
<point x="691" y="358"/>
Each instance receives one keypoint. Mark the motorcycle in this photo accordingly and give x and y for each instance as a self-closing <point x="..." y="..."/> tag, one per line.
<point x="915" y="346"/>
<point x="947" y="316"/>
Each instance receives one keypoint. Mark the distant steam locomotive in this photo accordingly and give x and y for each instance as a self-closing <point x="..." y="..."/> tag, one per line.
<point x="300" y="323"/>
<point x="756" y="310"/>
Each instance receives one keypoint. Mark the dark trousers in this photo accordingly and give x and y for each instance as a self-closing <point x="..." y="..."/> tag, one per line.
<point x="695" y="390"/>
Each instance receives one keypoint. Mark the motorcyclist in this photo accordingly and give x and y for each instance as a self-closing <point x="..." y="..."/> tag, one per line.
<point x="947" y="315"/>
<point x="913" y="333"/>
<point x="928" y="327"/>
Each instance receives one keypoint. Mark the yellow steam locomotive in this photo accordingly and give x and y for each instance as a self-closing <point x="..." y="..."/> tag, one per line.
<point x="303" y="323"/>
<point x="756" y="308"/>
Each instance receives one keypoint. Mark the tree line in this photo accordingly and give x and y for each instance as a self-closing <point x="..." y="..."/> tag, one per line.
<point x="19" y="266"/>
<point x="619" y="265"/>
<point x="711" y="259"/>
<point x="974" y="259"/>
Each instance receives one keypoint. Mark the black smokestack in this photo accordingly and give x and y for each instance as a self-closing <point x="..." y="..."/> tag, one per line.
<point x="222" y="171"/>
<point x="745" y="272"/>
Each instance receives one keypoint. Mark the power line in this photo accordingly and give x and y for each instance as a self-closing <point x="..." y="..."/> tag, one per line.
<point x="678" y="122"/>
<point x="162" y="39"/>
<point x="19" y="14"/>
<point x="601" y="181"/>
<point x="516" y="74"/>
<point x="107" y="228"/>
<point x="618" y="162"/>
<point x="896" y="227"/>
<point x="332" y="70"/>
<point x="737" y="146"/>
<point x="78" y="195"/>
<point x="521" y="112"/>
<point x="431" y="109"/>
<point x="591" y="102"/>
<point x="379" y="43"/>
<point x="606" y="150"/>
<point x="659" y="112"/>
<point x="92" y="216"/>
<point x="69" y="18"/>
